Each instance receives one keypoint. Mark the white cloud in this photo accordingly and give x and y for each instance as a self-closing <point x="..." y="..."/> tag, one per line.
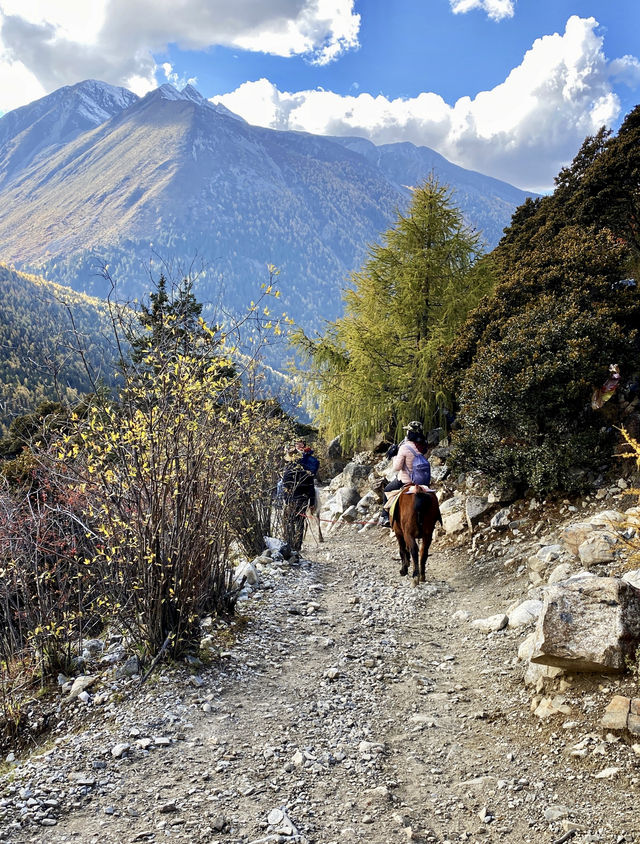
<point x="63" y="41"/>
<point x="495" y="9"/>
<point x="175" y="79"/>
<point x="522" y="131"/>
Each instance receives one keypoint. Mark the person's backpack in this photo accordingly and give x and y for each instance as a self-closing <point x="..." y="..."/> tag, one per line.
<point x="421" y="470"/>
<point x="310" y="463"/>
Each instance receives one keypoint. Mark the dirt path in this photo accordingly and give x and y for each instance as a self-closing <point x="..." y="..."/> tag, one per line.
<point x="351" y="707"/>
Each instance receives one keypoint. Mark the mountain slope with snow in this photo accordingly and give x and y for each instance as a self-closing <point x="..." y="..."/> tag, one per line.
<point x="94" y="175"/>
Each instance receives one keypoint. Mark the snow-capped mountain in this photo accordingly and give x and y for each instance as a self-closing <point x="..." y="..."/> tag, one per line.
<point x="170" y="182"/>
<point x="55" y="120"/>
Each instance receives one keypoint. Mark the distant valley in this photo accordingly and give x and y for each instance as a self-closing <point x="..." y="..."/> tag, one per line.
<point x="92" y="175"/>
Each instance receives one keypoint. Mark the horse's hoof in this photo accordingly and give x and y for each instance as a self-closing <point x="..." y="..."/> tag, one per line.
<point x="403" y="572"/>
<point x="414" y="581"/>
<point x="423" y="579"/>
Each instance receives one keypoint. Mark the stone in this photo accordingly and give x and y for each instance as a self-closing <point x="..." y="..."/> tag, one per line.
<point x="535" y="675"/>
<point x="460" y="616"/>
<point x="502" y="519"/>
<point x="525" y="613"/>
<point x="120" y="750"/>
<point x="598" y="548"/>
<point x="345" y="497"/>
<point x="492" y="623"/>
<point x="527" y="646"/>
<point x="561" y="572"/>
<point x="454" y="517"/>
<point x="278" y="545"/>
<point x="355" y="475"/>
<point x="633" y="721"/>
<point x="276" y="816"/>
<point x="92" y="648"/>
<point x="84" y="681"/>
<point x="607" y="774"/>
<point x="549" y="707"/>
<point x="130" y="668"/>
<point x="248" y="571"/>
<point x="616" y="714"/>
<point x="575" y="534"/>
<point x="556" y="813"/>
<point x="588" y="624"/>
<point x="632" y="577"/>
<point x="613" y="519"/>
<point x="476" y="506"/>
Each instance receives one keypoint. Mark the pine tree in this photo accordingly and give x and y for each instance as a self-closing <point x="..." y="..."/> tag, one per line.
<point x="374" y="367"/>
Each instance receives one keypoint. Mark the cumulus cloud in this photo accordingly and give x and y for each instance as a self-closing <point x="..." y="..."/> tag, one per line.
<point x="495" y="9"/>
<point x="62" y="41"/>
<point x="523" y="130"/>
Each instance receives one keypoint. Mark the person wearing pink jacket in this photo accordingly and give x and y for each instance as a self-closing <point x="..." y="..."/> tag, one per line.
<point x="414" y="443"/>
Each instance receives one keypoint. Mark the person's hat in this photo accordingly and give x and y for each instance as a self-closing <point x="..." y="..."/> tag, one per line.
<point x="291" y="453"/>
<point x="414" y="426"/>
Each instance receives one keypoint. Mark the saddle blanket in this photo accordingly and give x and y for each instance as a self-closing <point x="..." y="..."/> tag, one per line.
<point x="410" y="489"/>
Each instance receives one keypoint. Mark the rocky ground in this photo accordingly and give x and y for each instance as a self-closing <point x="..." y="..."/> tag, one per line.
<point x="347" y="706"/>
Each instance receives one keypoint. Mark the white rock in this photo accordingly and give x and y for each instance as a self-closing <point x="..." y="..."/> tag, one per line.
<point x="607" y="774"/>
<point x="561" y="572"/>
<point x="492" y="623"/>
<point x="80" y="684"/>
<point x="525" y="613"/>
<point x="248" y="570"/>
<point x="461" y="615"/>
<point x="119" y="750"/>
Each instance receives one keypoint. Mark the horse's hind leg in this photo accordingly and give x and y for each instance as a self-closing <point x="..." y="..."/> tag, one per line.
<point x="404" y="554"/>
<point x="413" y="547"/>
<point x="424" y="553"/>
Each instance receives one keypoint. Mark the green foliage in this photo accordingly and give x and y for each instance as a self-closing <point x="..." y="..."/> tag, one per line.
<point x="525" y="364"/>
<point x="375" y="367"/>
<point x="526" y="418"/>
<point x="50" y="337"/>
<point x="122" y="511"/>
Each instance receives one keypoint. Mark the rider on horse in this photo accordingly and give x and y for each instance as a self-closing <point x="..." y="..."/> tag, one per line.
<point x="414" y="443"/>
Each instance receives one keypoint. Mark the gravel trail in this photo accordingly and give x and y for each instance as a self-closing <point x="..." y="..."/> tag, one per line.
<point x="350" y="706"/>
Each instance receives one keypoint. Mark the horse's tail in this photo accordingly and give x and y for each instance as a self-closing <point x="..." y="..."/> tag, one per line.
<point x="420" y="507"/>
<point x="423" y="501"/>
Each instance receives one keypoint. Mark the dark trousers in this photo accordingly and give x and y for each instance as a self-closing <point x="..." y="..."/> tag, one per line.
<point x="397" y="484"/>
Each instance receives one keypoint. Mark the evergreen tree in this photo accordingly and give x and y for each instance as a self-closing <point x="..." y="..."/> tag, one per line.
<point x="524" y="365"/>
<point x="374" y="367"/>
<point x="171" y="327"/>
<point x="170" y="324"/>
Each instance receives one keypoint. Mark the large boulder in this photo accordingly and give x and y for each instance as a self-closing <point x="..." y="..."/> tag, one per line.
<point x="355" y="474"/>
<point x="588" y="624"/>
<point x="346" y="497"/>
<point x="475" y="507"/>
<point x="454" y="517"/>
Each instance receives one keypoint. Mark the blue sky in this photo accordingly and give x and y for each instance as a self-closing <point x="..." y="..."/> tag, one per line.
<point x="506" y="87"/>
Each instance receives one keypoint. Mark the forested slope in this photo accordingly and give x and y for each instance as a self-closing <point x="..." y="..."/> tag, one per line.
<point x="43" y="330"/>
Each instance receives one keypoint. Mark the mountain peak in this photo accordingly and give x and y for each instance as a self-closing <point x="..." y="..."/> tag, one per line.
<point x="57" y="119"/>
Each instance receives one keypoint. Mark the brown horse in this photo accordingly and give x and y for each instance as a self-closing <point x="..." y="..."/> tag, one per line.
<point x="415" y="516"/>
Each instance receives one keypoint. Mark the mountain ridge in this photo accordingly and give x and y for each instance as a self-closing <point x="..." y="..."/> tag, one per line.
<point x="170" y="179"/>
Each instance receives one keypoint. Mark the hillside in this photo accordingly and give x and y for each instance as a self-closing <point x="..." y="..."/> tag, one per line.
<point x="39" y="357"/>
<point x="172" y="182"/>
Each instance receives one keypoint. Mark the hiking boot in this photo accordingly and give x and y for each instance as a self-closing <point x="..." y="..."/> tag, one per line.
<point x="383" y="520"/>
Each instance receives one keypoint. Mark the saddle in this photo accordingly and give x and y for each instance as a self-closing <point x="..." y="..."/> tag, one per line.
<point x="394" y="495"/>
